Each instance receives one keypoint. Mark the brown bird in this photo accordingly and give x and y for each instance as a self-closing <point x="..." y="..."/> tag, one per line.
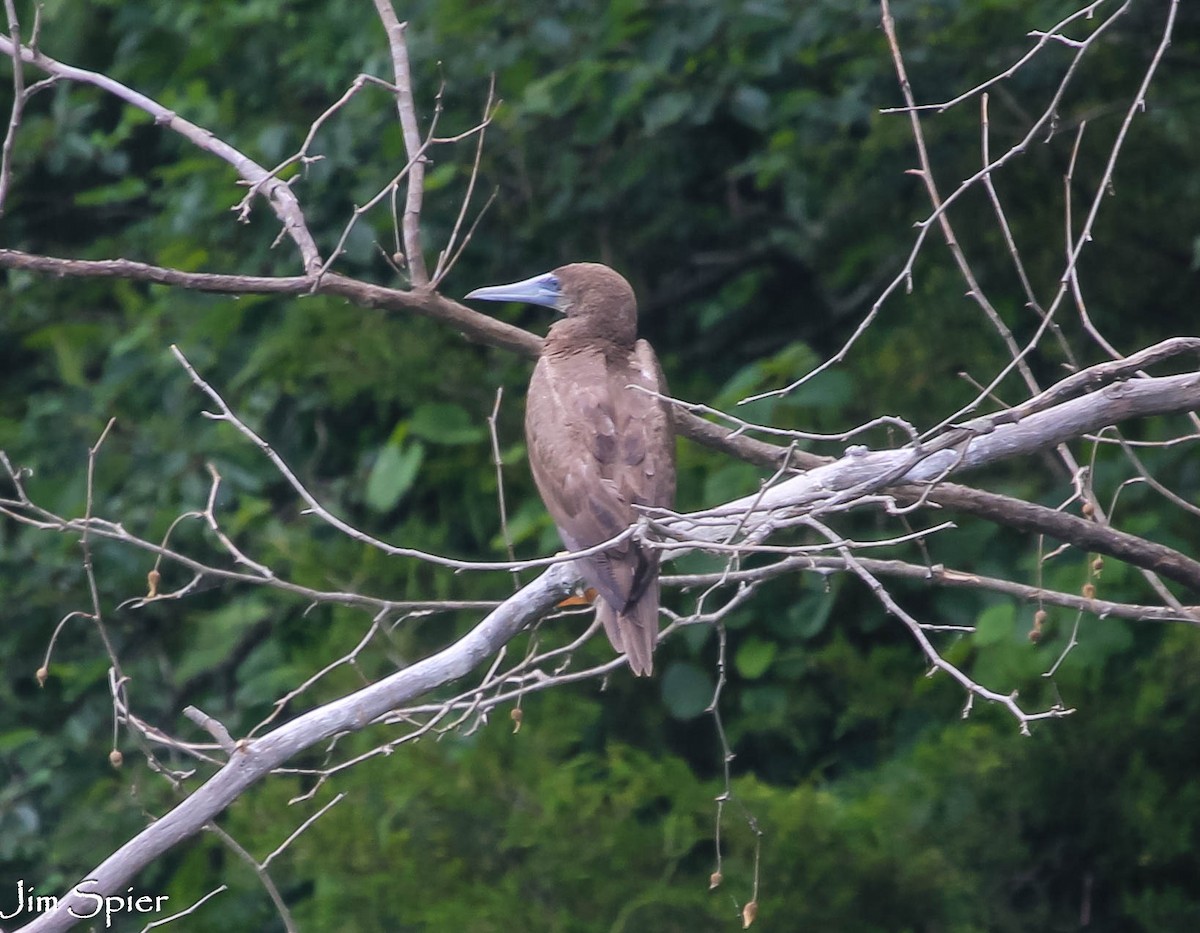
<point x="598" y="447"/>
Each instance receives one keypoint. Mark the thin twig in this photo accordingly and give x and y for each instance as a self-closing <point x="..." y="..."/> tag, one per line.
<point x="448" y="256"/>
<point x="498" y="461"/>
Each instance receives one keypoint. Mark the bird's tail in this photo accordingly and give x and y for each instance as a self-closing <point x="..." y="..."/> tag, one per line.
<point x="634" y="630"/>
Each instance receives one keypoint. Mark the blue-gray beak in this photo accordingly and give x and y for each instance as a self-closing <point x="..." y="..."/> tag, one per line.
<point x="540" y="290"/>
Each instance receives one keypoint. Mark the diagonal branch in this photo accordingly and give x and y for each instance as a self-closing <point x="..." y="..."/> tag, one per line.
<point x="476" y="327"/>
<point x="283" y="202"/>
<point x="1087" y="535"/>
<point x="255" y="758"/>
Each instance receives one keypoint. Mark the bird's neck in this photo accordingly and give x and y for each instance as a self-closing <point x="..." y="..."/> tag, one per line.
<point x="578" y="334"/>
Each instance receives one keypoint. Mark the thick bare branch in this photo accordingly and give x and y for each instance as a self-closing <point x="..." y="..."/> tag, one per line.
<point x="1083" y="533"/>
<point x="255" y="758"/>
<point x="862" y="472"/>
<point x="411" y="222"/>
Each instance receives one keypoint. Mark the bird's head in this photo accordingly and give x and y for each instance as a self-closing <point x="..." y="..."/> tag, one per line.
<point x="591" y="293"/>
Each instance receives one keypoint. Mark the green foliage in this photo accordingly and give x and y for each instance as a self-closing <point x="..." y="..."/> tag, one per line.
<point x="393" y="474"/>
<point x="687" y="689"/>
<point x="537" y="795"/>
<point x="730" y="158"/>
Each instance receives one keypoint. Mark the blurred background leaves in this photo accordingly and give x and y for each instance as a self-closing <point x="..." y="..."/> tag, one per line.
<point x="730" y="158"/>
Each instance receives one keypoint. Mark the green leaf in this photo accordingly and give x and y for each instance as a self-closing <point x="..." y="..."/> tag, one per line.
<point x="78" y="677"/>
<point x="440" y="176"/>
<point x="72" y="345"/>
<point x="210" y="641"/>
<point x="807" y="616"/>
<point x="669" y="108"/>
<point x="686" y="689"/>
<point x="17" y="738"/>
<point x="124" y="190"/>
<point x="730" y="481"/>
<point x="765" y="705"/>
<point x="444" y="423"/>
<point x="393" y="475"/>
<point x="995" y="624"/>
<point x="754" y="657"/>
<point x="751" y="105"/>
<point x="1099" y="640"/>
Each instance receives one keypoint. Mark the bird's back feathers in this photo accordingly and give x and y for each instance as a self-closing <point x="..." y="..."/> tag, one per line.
<point x="598" y="447"/>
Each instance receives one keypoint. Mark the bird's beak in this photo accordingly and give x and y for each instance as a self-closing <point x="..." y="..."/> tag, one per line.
<point x="540" y="290"/>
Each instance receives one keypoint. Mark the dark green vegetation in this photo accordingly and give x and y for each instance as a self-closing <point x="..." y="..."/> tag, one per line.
<point x="731" y="159"/>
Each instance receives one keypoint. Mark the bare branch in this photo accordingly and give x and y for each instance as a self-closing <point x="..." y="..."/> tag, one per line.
<point x="412" y="143"/>
<point x="18" y="105"/>
<point x="283" y="202"/>
<point x="473" y="325"/>
<point x="449" y="255"/>
<point x="1009" y="701"/>
<point x="939" y="575"/>
<point x="260" y="870"/>
<point x="256" y="758"/>
<point x="301" y="155"/>
<point x="163" y="921"/>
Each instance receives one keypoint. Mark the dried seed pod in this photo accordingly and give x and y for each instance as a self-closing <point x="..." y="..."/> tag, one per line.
<point x="1039" y="619"/>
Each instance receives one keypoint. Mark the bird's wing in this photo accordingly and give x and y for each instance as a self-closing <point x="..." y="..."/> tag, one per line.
<point x="646" y="471"/>
<point x="649" y="467"/>
<point x="596" y="447"/>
